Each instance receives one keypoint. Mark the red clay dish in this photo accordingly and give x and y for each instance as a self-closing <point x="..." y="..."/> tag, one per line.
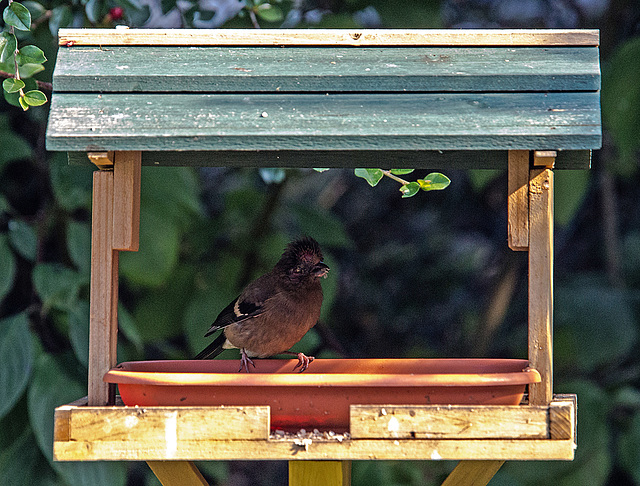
<point x="320" y="397"/>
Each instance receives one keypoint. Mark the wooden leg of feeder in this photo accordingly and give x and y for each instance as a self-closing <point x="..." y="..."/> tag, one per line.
<point x="177" y="473"/>
<point x="473" y="473"/>
<point x="103" y="326"/>
<point x="541" y="280"/>
<point x="319" y="473"/>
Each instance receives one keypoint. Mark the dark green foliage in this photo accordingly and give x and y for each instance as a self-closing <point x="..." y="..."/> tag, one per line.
<point x="414" y="277"/>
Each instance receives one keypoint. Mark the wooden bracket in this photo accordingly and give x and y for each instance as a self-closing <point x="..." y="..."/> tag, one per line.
<point x="102" y="160"/>
<point x="177" y="473"/>
<point x="544" y="158"/>
<point x="126" y="202"/>
<point x="518" y="200"/>
<point x="473" y="473"/>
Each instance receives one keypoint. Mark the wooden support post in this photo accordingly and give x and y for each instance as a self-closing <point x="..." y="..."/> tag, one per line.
<point x="518" y="200"/>
<point x="126" y="206"/>
<point x="541" y="277"/>
<point x="177" y="473"/>
<point x="473" y="473"/>
<point x="319" y="473"/>
<point x="103" y="325"/>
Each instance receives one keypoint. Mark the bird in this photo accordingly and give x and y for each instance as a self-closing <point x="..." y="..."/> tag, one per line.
<point x="274" y="311"/>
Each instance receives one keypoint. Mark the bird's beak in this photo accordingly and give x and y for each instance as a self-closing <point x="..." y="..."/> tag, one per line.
<point x="320" y="270"/>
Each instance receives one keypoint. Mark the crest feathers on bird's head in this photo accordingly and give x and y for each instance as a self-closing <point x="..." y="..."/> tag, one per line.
<point x="305" y="248"/>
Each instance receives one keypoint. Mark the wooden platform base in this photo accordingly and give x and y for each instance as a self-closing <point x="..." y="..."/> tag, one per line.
<point x="435" y="432"/>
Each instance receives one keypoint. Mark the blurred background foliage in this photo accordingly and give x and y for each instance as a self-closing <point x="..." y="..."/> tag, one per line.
<point x="430" y="276"/>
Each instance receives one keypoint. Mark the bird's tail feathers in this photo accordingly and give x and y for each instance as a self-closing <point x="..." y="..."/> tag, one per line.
<point x="214" y="349"/>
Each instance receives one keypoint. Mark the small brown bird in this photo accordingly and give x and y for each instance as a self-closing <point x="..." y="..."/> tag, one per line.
<point x="274" y="311"/>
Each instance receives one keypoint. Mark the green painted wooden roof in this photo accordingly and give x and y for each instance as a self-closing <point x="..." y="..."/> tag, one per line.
<point x="389" y="105"/>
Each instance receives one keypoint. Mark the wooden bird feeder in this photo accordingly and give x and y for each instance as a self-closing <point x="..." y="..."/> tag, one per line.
<point x="526" y="100"/>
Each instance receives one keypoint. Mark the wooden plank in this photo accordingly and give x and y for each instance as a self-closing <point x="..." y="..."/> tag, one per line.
<point x="166" y="425"/>
<point x="421" y="121"/>
<point x="455" y="421"/>
<point x="473" y="473"/>
<point x="562" y="420"/>
<point x="518" y="200"/>
<point x="103" y="323"/>
<point x="126" y="203"/>
<point x="328" y="37"/>
<point x="360" y="449"/>
<point x="319" y="473"/>
<point x="426" y="159"/>
<point x="541" y="283"/>
<point x="177" y="473"/>
<point x="326" y="69"/>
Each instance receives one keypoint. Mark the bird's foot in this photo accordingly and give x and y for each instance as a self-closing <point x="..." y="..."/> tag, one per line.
<point x="303" y="362"/>
<point x="245" y="361"/>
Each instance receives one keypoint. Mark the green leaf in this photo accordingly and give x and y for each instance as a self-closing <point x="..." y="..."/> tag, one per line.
<point x="434" y="182"/>
<point x="36" y="9"/>
<point x="24" y="463"/>
<point x="31" y="55"/>
<point x="12" y="146"/>
<point x="79" y="245"/>
<point x="61" y="17"/>
<point x="52" y="386"/>
<point x="7" y="267"/>
<point x="23" y="103"/>
<point x="372" y="176"/>
<point x="29" y="70"/>
<point x="16" y="356"/>
<point x="23" y="238"/>
<point x="323" y="225"/>
<point x="8" y="46"/>
<point x="79" y="331"/>
<point x="158" y="313"/>
<point x="127" y="326"/>
<point x="410" y="189"/>
<point x="35" y="98"/>
<point x="18" y="16"/>
<point x="57" y="286"/>
<point x="11" y="85"/>
<point x="14" y="98"/>
<point x="93" y="8"/>
<point x="157" y="257"/>
<point x="401" y="171"/>
<point x="629" y="448"/>
<point x="269" y="13"/>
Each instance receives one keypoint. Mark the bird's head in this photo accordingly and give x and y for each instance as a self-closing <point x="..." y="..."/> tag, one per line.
<point x="302" y="261"/>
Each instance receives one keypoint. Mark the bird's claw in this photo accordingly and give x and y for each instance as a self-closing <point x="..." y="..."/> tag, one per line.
<point x="303" y="362"/>
<point x="245" y="361"/>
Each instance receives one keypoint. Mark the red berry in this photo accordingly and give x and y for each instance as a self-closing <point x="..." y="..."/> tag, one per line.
<point x="116" y="13"/>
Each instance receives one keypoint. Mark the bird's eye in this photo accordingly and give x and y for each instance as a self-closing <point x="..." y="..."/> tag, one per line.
<point x="297" y="270"/>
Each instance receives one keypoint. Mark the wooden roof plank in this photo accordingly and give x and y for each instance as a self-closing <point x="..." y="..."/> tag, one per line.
<point x="336" y="69"/>
<point x="422" y="121"/>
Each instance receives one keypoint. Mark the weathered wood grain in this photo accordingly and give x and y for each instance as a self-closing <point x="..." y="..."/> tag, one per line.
<point x="325" y="69"/>
<point x="455" y="421"/>
<point x="487" y="121"/>
<point x="328" y="37"/>
<point x="213" y="433"/>
<point x="103" y="320"/>
<point x="126" y="207"/>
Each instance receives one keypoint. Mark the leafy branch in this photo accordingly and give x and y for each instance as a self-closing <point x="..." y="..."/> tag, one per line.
<point x="18" y="87"/>
<point x="435" y="181"/>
